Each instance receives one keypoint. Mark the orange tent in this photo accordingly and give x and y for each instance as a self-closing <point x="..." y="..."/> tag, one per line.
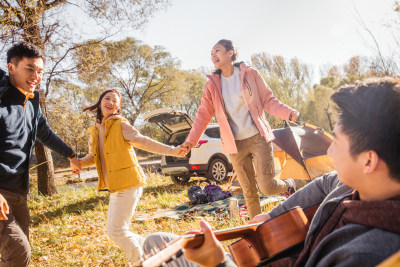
<point x="301" y="152"/>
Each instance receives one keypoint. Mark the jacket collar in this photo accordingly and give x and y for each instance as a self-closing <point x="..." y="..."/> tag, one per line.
<point x="112" y="117"/>
<point x="215" y="79"/>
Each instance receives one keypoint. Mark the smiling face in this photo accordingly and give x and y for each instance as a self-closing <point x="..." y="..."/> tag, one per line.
<point x="27" y="74"/>
<point x="110" y="104"/>
<point x="221" y="57"/>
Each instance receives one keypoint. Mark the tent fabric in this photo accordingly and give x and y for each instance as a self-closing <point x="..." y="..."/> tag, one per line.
<point x="302" y="152"/>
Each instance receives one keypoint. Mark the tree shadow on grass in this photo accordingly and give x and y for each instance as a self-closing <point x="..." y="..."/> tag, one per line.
<point x="171" y="188"/>
<point x="76" y="208"/>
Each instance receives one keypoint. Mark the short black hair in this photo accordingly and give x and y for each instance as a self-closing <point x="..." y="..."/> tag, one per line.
<point x="24" y="49"/>
<point x="370" y="117"/>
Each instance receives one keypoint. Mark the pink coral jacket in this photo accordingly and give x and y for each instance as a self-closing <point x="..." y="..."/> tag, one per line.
<point x="257" y="96"/>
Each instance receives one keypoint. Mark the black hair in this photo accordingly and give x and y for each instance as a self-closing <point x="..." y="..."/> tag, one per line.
<point x="228" y="44"/>
<point x="96" y="107"/>
<point x="23" y="49"/>
<point x="370" y="117"/>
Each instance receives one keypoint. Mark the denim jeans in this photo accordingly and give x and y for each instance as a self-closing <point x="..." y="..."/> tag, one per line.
<point x="120" y="212"/>
<point x="15" y="250"/>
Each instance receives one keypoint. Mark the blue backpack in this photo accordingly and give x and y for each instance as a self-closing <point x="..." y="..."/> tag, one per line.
<point x="214" y="193"/>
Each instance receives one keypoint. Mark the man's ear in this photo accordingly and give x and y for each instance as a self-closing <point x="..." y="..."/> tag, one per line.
<point x="11" y="67"/>
<point x="370" y="160"/>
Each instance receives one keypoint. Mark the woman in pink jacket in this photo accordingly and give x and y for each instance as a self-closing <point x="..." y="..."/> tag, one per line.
<point x="238" y="96"/>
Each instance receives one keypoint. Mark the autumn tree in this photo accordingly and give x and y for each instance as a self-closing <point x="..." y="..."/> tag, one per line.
<point x="289" y="80"/>
<point x="146" y="76"/>
<point x="51" y="25"/>
<point x="66" y="116"/>
<point x="192" y="84"/>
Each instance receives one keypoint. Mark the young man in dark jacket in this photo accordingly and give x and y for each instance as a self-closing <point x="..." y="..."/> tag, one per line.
<point x="21" y="123"/>
<point x="358" y="220"/>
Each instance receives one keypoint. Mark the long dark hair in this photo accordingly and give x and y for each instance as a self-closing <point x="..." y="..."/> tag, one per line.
<point x="96" y="107"/>
<point x="228" y="44"/>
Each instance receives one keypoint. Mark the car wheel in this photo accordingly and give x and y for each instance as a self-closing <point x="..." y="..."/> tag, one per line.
<point x="180" y="180"/>
<point x="217" y="171"/>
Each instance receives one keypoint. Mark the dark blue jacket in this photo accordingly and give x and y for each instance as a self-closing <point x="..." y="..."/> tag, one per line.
<point x="20" y="126"/>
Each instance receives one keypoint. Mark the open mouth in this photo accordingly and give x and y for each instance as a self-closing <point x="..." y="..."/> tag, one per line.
<point x="31" y="84"/>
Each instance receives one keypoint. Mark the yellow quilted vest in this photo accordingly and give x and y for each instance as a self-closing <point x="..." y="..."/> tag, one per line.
<point x="123" y="169"/>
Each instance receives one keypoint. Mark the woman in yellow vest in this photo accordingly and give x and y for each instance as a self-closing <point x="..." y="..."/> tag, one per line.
<point x="110" y="149"/>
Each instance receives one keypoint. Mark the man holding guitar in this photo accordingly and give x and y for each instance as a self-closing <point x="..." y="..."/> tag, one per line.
<point x="358" y="220"/>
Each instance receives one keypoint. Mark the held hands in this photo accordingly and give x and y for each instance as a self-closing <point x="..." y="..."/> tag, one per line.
<point x="185" y="148"/>
<point x="75" y="165"/>
<point x="293" y="116"/>
<point x="210" y="253"/>
<point x="3" y="209"/>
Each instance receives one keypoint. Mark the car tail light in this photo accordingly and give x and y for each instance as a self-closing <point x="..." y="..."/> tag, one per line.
<point x="195" y="167"/>
<point x="200" y="143"/>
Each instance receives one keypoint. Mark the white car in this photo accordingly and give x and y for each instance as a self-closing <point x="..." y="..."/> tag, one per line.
<point x="205" y="158"/>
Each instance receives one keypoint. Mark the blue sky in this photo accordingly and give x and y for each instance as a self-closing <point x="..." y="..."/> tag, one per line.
<point x="317" y="32"/>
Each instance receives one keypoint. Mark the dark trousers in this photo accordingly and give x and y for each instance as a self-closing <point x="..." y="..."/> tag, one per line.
<point x="15" y="250"/>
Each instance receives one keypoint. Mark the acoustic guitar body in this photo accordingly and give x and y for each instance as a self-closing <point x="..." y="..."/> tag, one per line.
<point x="244" y="253"/>
<point x="270" y="238"/>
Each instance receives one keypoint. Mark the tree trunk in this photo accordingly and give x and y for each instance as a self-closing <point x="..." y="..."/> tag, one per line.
<point x="329" y="117"/>
<point x="44" y="159"/>
<point x="45" y="171"/>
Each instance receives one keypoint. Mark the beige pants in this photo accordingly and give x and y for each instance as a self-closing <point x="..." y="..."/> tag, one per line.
<point x="256" y="153"/>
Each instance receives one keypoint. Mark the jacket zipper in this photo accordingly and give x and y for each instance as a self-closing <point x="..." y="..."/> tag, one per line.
<point x="26" y="99"/>
<point x="248" y="87"/>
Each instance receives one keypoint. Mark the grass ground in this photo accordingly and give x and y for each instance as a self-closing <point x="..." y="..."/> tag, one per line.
<point x="69" y="229"/>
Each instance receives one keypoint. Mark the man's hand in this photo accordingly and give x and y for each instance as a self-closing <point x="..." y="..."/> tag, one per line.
<point x="211" y="253"/>
<point x="3" y="208"/>
<point x="260" y="218"/>
<point x="186" y="148"/>
<point x="75" y="165"/>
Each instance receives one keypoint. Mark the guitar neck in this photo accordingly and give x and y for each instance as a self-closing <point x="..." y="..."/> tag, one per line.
<point x="196" y="240"/>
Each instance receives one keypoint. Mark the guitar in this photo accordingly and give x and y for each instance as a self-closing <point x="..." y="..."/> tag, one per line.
<point x="258" y="241"/>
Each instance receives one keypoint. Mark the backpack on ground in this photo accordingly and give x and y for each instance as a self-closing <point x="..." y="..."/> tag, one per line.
<point x="214" y="193"/>
<point x="197" y="195"/>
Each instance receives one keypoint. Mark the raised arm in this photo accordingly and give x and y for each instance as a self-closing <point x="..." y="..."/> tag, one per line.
<point x="203" y="117"/>
<point x="136" y="139"/>
<point x="270" y="103"/>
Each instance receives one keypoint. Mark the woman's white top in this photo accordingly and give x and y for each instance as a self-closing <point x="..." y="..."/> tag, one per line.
<point x="239" y="117"/>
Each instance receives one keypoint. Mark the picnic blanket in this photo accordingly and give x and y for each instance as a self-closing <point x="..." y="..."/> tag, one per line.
<point x="205" y="209"/>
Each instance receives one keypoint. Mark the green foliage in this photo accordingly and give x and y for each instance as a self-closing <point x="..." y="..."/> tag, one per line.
<point x="289" y="80"/>
<point x="192" y="84"/>
<point x="147" y="77"/>
<point x="65" y="115"/>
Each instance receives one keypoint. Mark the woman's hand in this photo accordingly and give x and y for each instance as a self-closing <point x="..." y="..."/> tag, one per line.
<point x="293" y="116"/>
<point x="186" y="148"/>
<point x="75" y="164"/>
